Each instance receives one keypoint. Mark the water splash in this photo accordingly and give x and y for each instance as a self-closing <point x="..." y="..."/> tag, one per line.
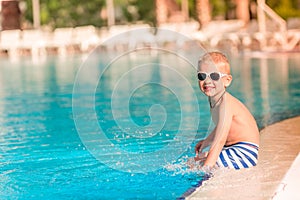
<point x="185" y="166"/>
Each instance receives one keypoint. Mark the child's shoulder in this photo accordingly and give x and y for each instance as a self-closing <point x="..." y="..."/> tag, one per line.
<point x="234" y="101"/>
<point x="236" y="105"/>
<point x="230" y="97"/>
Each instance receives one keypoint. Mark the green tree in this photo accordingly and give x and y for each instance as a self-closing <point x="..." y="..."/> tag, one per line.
<point x="285" y="8"/>
<point x="140" y="10"/>
<point x="61" y="13"/>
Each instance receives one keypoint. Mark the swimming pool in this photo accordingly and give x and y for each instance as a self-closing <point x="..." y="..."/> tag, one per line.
<point x="44" y="154"/>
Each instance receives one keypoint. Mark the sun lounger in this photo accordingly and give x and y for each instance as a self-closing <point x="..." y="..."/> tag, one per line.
<point x="86" y="37"/>
<point x="10" y="40"/>
<point x="33" y="41"/>
<point x="62" y="40"/>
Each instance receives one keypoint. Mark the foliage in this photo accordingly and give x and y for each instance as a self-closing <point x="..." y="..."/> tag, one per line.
<point x="285" y="8"/>
<point x="62" y="13"/>
<point x="219" y="8"/>
<point x="140" y="10"/>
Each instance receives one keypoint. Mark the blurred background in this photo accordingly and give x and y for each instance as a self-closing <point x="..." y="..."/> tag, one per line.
<point x="69" y="13"/>
<point x="40" y="27"/>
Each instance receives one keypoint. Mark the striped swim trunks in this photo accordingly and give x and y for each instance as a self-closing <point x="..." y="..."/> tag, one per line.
<point x="238" y="156"/>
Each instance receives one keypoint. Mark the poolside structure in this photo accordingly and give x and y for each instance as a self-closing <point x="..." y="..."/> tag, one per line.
<point x="36" y="42"/>
<point x="33" y="41"/>
<point x="232" y="35"/>
<point x="10" y="40"/>
<point x="271" y="33"/>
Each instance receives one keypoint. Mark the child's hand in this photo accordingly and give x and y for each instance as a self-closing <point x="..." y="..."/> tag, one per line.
<point x="198" y="147"/>
<point x="197" y="162"/>
<point x="201" y="157"/>
<point x="194" y="164"/>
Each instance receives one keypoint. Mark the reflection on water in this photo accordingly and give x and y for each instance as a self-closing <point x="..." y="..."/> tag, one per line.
<point x="264" y="85"/>
<point x="268" y="86"/>
<point x="42" y="155"/>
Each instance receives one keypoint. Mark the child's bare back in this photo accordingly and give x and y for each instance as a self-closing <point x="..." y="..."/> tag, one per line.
<point x="243" y="125"/>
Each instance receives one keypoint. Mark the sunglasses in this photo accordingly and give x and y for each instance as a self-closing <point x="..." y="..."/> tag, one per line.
<point x="215" y="76"/>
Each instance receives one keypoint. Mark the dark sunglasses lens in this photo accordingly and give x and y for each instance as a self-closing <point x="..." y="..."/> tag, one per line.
<point x="201" y="76"/>
<point x="214" y="76"/>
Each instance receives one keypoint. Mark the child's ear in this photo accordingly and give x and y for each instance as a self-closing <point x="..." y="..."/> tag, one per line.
<point x="228" y="80"/>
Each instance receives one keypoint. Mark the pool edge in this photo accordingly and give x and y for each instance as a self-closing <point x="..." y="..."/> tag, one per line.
<point x="279" y="143"/>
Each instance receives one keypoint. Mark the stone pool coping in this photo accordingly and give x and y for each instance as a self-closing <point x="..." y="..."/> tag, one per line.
<point x="279" y="146"/>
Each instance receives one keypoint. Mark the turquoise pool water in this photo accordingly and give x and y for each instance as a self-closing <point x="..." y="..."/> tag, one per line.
<point x="43" y="154"/>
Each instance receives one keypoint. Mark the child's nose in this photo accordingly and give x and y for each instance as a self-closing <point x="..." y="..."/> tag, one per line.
<point x="208" y="80"/>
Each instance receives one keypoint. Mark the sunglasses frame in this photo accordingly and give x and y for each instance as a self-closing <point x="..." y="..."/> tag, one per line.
<point x="208" y="75"/>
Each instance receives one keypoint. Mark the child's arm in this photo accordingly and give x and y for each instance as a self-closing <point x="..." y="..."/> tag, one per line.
<point x="224" y="119"/>
<point x="202" y="144"/>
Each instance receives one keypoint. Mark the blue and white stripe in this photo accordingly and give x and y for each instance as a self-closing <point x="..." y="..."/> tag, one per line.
<point x="238" y="156"/>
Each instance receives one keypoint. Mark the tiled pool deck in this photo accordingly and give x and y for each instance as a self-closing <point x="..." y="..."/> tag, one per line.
<point x="279" y="146"/>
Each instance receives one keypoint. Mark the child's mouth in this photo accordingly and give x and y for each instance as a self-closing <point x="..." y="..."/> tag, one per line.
<point x="208" y="88"/>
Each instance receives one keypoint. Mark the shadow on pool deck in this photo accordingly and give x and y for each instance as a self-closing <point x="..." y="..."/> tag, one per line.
<point x="279" y="146"/>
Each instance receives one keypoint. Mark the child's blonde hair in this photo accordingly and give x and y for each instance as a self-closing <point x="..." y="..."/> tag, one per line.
<point x="218" y="58"/>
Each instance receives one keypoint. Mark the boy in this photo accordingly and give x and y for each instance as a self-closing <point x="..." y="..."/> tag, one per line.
<point x="235" y="138"/>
